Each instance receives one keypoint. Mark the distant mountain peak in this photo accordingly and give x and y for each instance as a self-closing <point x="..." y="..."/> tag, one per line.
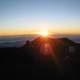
<point x="67" y="41"/>
<point x="58" y="41"/>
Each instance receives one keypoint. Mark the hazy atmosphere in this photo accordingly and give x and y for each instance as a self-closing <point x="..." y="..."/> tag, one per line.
<point x="40" y="39"/>
<point x="18" y="17"/>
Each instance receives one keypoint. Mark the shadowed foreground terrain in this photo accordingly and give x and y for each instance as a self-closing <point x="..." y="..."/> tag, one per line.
<point x="43" y="57"/>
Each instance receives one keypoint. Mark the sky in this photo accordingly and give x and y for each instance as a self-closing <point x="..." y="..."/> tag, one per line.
<point x="31" y="16"/>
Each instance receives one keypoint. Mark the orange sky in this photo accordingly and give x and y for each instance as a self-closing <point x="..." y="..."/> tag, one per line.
<point x="36" y="31"/>
<point x="20" y="17"/>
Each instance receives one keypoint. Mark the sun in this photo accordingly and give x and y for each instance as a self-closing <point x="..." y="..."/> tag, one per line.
<point x="44" y="33"/>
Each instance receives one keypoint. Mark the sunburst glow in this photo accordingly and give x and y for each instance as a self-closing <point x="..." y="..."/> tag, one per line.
<point x="44" y="33"/>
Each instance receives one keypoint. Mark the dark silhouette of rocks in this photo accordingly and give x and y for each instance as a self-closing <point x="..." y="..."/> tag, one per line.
<point x="49" y="57"/>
